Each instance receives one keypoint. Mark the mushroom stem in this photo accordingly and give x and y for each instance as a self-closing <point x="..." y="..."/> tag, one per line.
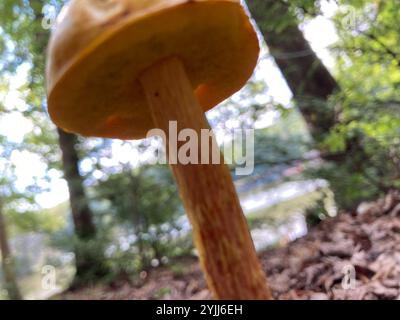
<point x="220" y="231"/>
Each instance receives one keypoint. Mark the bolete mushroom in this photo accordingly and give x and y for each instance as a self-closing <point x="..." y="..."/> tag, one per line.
<point x="118" y="68"/>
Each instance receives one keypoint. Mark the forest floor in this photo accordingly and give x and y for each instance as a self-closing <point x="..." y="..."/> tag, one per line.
<point x="351" y="256"/>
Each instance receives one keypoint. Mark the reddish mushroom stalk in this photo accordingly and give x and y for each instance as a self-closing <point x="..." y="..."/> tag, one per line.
<point x="220" y="230"/>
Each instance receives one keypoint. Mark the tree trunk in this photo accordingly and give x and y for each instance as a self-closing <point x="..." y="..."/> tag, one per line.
<point x="137" y="217"/>
<point x="310" y="82"/>
<point x="7" y="261"/>
<point x="81" y="212"/>
<point x="87" y="262"/>
<point x="307" y="77"/>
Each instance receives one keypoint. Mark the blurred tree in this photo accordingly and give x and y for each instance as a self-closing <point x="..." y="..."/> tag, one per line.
<point x="7" y="260"/>
<point x="347" y="121"/>
<point x="88" y="265"/>
<point x="16" y="201"/>
<point x="307" y="77"/>
<point x="23" y="26"/>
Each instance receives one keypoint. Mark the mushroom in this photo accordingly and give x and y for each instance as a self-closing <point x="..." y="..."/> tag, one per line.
<point x="118" y="68"/>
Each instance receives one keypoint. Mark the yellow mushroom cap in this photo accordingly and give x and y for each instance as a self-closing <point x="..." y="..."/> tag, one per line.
<point x="99" y="48"/>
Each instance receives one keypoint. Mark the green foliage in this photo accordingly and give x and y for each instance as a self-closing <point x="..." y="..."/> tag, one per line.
<point x="146" y="195"/>
<point x="364" y="144"/>
<point x="367" y="135"/>
<point x="144" y="202"/>
<point x="162" y="292"/>
<point x="21" y="47"/>
<point x="287" y="140"/>
<point x="178" y="270"/>
<point x="279" y="214"/>
<point x="43" y="221"/>
<point x="322" y="208"/>
<point x="86" y="252"/>
<point x="280" y="144"/>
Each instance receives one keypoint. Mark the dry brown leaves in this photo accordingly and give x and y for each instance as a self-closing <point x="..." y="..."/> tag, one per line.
<point x="366" y="242"/>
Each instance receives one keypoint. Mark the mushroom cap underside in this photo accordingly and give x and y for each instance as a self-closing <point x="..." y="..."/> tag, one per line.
<point x="95" y="57"/>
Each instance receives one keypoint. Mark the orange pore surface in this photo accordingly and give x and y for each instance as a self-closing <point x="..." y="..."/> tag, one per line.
<point x="95" y="59"/>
